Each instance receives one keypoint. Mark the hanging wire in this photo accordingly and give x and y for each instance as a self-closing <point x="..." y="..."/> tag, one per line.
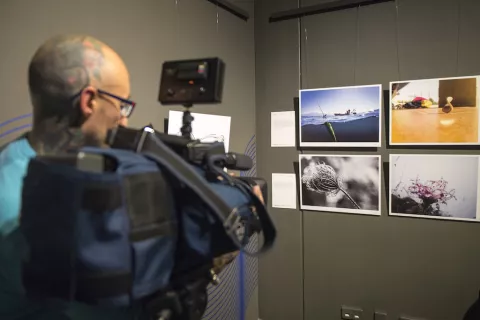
<point x="357" y="45"/>
<point x="177" y="23"/>
<point x="397" y="32"/>
<point x="301" y="77"/>
<point x="459" y="13"/>
<point x="218" y="18"/>
<point x="299" y="44"/>
<point x="304" y="52"/>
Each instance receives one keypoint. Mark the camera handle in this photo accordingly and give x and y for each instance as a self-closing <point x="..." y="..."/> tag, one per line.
<point x="187" y="122"/>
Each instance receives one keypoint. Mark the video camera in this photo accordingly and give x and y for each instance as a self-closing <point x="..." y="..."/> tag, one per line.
<point x="140" y="223"/>
<point x="201" y="81"/>
<point x="189" y="83"/>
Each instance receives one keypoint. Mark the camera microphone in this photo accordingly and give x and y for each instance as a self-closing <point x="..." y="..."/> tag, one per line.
<point x="238" y="161"/>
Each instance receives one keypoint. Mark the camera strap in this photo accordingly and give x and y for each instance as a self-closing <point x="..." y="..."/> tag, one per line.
<point x="152" y="147"/>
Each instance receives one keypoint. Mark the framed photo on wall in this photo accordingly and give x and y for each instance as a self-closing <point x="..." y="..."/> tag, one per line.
<point x="341" y="117"/>
<point x="340" y="183"/>
<point x="435" y="111"/>
<point x="434" y="186"/>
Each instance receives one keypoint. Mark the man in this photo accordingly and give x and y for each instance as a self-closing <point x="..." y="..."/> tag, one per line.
<point x="79" y="89"/>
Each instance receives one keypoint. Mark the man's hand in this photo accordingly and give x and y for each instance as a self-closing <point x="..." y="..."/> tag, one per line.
<point x="258" y="192"/>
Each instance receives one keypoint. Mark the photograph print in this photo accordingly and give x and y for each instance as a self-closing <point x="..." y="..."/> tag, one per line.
<point x="434" y="186"/>
<point x="341" y="117"/>
<point x="339" y="183"/>
<point x="435" y="111"/>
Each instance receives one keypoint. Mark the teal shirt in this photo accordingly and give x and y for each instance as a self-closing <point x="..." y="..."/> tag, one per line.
<point x="14" y="305"/>
<point x="13" y="165"/>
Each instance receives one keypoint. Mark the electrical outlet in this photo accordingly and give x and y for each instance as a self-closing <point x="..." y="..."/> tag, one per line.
<point x="349" y="313"/>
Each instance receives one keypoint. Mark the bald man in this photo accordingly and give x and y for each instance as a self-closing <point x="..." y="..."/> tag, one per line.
<point x="79" y="89"/>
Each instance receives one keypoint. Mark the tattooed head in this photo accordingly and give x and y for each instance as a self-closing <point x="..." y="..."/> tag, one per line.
<point x="66" y="78"/>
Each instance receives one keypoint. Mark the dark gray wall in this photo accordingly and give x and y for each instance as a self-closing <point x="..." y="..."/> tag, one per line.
<point x="276" y="54"/>
<point x="145" y="33"/>
<point x="423" y="268"/>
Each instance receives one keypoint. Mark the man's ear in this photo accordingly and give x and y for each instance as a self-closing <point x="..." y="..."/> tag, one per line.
<point x="88" y="101"/>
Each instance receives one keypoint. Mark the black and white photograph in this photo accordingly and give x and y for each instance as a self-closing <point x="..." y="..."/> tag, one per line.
<point x="434" y="186"/>
<point x="340" y="183"/>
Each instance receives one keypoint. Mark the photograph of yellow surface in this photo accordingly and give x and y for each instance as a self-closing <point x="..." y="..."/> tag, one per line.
<point x="435" y="111"/>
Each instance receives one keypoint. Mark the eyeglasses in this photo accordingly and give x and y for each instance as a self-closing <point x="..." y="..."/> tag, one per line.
<point x="126" y="106"/>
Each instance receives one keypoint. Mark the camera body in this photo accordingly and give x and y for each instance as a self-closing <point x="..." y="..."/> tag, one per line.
<point x="192" y="151"/>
